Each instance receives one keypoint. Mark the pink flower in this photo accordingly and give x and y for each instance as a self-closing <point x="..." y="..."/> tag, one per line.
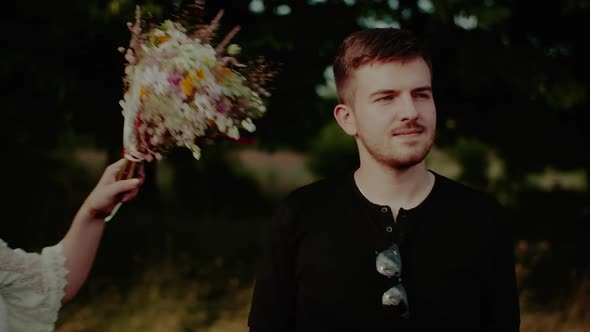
<point x="175" y="79"/>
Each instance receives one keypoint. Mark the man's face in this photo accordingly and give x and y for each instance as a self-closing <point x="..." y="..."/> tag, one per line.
<point x="393" y="110"/>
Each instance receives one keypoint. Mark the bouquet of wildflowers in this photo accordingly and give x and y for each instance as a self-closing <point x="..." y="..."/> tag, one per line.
<point x="180" y="90"/>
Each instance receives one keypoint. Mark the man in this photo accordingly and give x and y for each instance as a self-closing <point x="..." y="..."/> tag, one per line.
<point x="393" y="246"/>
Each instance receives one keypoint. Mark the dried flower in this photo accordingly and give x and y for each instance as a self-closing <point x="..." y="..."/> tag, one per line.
<point x="179" y="89"/>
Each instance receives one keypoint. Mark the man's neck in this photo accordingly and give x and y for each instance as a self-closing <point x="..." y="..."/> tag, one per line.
<point x="398" y="188"/>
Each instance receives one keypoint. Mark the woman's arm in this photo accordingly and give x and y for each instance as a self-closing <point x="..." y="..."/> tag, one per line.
<point x="82" y="239"/>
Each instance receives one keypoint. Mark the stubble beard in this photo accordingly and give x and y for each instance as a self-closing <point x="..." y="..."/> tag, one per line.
<point x="401" y="158"/>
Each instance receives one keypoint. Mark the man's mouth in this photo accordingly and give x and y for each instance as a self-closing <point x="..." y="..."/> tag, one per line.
<point x="408" y="132"/>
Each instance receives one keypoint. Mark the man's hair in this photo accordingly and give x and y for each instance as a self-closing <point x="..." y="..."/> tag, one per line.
<point x="374" y="46"/>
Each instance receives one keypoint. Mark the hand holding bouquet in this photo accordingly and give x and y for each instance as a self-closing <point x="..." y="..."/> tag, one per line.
<point x="180" y="90"/>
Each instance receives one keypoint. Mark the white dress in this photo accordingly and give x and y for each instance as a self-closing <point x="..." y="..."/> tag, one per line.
<point x="31" y="288"/>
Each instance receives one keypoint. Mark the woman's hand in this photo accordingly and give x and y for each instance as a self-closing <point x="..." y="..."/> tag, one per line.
<point x="109" y="192"/>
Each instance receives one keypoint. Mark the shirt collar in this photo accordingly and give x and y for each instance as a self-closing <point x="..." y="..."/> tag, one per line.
<point x="425" y="205"/>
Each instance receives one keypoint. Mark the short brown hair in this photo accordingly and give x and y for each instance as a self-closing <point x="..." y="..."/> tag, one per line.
<point x="374" y="45"/>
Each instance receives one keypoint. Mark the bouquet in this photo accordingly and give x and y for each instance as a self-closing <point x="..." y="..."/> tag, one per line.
<point x="181" y="91"/>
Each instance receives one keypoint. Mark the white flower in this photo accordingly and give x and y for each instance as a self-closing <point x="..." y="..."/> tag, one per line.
<point x="233" y="132"/>
<point x="222" y="122"/>
<point x="204" y="105"/>
<point x="234" y="49"/>
<point x="195" y="149"/>
<point x="129" y="56"/>
<point x="248" y="125"/>
<point x="146" y="50"/>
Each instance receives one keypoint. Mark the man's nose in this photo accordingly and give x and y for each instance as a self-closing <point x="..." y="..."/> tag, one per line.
<point x="408" y="111"/>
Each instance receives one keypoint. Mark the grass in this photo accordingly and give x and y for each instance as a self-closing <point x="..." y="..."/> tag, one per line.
<point x="165" y="301"/>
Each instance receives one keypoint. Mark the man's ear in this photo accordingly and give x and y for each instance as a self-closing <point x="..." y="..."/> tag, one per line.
<point x="346" y="120"/>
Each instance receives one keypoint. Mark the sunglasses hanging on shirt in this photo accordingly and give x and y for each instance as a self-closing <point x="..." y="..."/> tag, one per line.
<point x="389" y="264"/>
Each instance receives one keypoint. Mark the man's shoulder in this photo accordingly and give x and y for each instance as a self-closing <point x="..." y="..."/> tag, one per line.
<point x="475" y="207"/>
<point x="311" y="198"/>
<point x="320" y="190"/>
<point x="454" y="192"/>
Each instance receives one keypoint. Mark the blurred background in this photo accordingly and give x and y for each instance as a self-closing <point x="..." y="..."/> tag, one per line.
<point x="511" y="88"/>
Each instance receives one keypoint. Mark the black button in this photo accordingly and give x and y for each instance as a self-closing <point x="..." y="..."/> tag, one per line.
<point x="389" y="229"/>
<point x="384" y="209"/>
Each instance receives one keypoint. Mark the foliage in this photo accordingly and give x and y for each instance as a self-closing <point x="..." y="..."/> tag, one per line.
<point x="332" y="152"/>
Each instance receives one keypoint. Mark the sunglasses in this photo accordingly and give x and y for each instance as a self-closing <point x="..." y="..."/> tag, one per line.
<point x="389" y="264"/>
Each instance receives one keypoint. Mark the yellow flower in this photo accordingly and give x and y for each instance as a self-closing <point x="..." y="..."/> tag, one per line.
<point x="142" y="92"/>
<point x="163" y="39"/>
<point x="200" y="74"/>
<point x="225" y="73"/>
<point x="187" y="85"/>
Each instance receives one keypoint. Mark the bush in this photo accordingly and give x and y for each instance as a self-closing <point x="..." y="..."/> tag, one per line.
<point x="332" y="152"/>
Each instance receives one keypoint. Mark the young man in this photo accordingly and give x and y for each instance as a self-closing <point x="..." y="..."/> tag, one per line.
<point x="393" y="246"/>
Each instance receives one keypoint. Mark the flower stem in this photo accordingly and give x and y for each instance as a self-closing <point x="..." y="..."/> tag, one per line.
<point x="129" y="170"/>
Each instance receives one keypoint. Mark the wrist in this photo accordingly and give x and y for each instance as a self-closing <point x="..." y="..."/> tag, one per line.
<point x="95" y="213"/>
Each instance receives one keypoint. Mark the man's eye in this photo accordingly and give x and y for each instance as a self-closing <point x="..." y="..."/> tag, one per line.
<point x="423" y="96"/>
<point x="386" y="98"/>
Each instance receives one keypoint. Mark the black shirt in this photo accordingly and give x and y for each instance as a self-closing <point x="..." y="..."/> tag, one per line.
<point x="320" y="273"/>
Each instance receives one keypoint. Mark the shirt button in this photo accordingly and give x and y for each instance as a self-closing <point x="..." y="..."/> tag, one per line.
<point x="384" y="209"/>
<point x="389" y="229"/>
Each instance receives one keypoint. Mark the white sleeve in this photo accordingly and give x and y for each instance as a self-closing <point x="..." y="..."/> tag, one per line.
<point x="32" y="286"/>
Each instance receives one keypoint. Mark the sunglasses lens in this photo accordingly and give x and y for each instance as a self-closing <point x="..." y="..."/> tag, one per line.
<point x="396" y="297"/>
<point x="392" y="297"/>
<point x="389" y="262"/>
